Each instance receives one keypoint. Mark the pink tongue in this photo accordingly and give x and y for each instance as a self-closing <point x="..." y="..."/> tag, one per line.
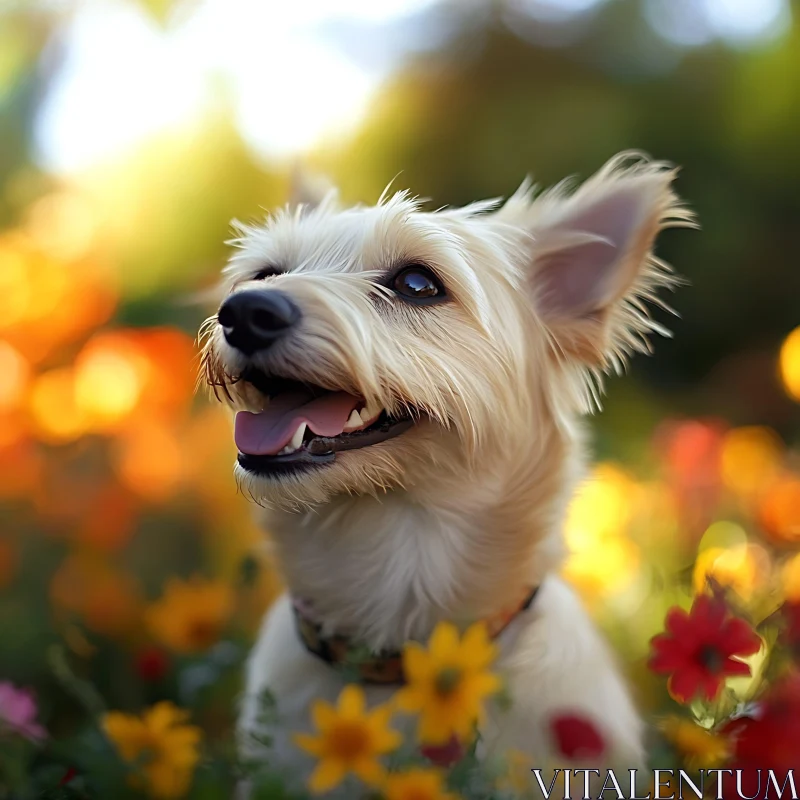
<point x="270" y="431"/>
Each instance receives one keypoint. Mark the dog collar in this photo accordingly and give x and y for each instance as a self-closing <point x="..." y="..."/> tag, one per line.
<point x="384" y="666"/>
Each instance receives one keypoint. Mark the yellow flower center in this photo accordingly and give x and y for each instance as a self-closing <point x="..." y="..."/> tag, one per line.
<point x="447" y="681"/>
<point x="349" y="740"/>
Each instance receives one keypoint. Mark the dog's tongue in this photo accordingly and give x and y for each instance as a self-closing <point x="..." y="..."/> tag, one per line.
<point x="268" y="432"/>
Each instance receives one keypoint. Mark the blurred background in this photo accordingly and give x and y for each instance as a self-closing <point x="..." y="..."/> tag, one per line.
<point x="132" y="132"/>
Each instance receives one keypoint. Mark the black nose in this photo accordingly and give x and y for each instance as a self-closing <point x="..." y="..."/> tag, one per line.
<point x="253" y="320"/>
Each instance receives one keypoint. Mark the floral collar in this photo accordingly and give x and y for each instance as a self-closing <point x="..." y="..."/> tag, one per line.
<point x="385" y="666"/>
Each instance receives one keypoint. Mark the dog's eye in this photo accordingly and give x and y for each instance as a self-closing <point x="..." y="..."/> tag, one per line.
<point x="418" y="283"/>
<point x="266" y="272"/>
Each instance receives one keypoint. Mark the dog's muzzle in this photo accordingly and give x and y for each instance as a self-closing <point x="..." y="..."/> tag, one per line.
<point x="254" y="320"/>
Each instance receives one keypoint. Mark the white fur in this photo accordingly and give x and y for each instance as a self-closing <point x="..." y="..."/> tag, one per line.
<point x="451" y="519"/>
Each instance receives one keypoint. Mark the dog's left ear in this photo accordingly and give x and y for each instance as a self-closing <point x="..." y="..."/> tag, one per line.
<point x="591" y="263"/>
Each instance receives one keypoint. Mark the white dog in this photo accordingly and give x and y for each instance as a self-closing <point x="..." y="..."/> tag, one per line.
<point x="409" y="387"/>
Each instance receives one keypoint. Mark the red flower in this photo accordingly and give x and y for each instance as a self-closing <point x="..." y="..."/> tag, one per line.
<point x="577" y="737"/>
<point x="772" y="738"/>
<point x="698" y="648"/>
<point x="152" y="664"/>
<point x="768" y="739"/>
<point x="68" y="776"/>
<point x="444" y="755"/>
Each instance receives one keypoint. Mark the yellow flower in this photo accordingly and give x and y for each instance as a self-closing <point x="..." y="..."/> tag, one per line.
<point x="448" y="682"/>
<point x="350" y="739"/>
<point x="190" y="615"/>
<point x="701" y="748"/>
<point x="159" y="744"/>
<point x="417" y="784"/>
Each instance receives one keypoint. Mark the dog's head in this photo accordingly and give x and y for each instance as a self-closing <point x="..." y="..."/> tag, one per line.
<point x="373" y="347"/>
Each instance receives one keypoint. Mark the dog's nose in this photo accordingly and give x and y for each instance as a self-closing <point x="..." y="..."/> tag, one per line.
<point x="253" y="320"/>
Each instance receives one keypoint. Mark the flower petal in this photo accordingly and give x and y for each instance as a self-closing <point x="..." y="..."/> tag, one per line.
<point x="369" y="770"/>
<point x="684" y="684"/>
<point x="664" y="660"/>
<point x="477" y="651"/>
<point x="313" y="745"/>
<point x="443" y="643"/>
<point x="128" y="733"/>
<point x="738" y="638"/>
<point x="485" y="683"/>
<point x="433" y="729"/>
<point x="668" y="655"/>
<point x="323" y="714"/>
<point x="678" y="623"/>
<point x="708" y="611"/>
<point x="735" y="667"/>
<point x="329" y="774"/>
<point x="162" y="715"/>
<point x="386" y="741"/>
<point x="409" y="699"/>
<point x="711" y="684"/>
<point x="351" y="702"/>
<point x="416" y="662"/>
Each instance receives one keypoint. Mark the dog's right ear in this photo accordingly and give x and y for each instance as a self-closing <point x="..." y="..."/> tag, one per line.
<point x="307" y="190"/>
<point x="591" y="266"/>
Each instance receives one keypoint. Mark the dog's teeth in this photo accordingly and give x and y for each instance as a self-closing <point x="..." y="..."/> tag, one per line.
<point x="297" y="439"/>
<point x="354" y="422"/>
<point x="370" y="414"/>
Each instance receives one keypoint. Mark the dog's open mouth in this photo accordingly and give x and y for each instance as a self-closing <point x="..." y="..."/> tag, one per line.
<point x="306" y="425"/>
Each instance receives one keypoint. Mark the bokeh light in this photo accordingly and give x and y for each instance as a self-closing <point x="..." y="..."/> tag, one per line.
<point x="602" y="559"/>
<point x="56" y="414"/>
<point x="104" y="597"/>
<point x="780" y="510"/>
<point x="743" y="568"/>
<point x="108" y="379"/>
<point x="148" y="460"/>
<point x="15" y="372"/>
<point x="751" y="459"/>
<point x="790" y="364"/>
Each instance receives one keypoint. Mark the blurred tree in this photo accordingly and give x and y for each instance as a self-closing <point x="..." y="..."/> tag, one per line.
<point x="24" y="32"/>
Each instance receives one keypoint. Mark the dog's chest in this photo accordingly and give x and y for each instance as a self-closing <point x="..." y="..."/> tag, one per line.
<point x="382" y="570"/>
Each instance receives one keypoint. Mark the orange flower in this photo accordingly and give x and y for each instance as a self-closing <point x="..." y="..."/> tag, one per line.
<point x="191" y="615"/>
<point x="105" y="598"/>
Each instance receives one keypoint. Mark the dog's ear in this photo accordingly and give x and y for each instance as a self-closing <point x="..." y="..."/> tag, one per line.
<point x="590" y="256"/>
<point x="309" y="189"/>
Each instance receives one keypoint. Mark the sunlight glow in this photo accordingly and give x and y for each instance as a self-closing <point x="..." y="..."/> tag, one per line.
<point x="691" y="23"/>
<point x="125" y="78"/>
<point x="747" y="19"/>
<point x="553" y="10"/>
